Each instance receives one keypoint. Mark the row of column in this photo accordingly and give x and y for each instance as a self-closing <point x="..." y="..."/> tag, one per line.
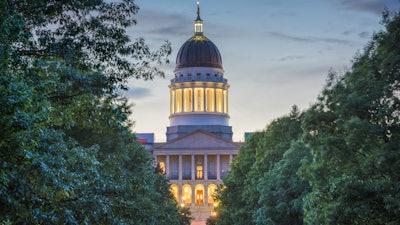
<point x="193" y="166"/>
<point x="183" y="196"/>
<point x="199" y="100"/>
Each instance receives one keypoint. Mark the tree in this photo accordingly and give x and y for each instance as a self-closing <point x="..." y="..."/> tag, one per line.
<point x="353" y="132"/>
<point x="281" y="191"/>
<point x="232" y="208"/>
<point x="262" y="186"/>
<point x="277" y="139"/>
<point x="67" y="155"/>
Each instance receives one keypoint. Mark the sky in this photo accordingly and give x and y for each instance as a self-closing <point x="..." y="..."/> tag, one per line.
<point x="275" y="53"/>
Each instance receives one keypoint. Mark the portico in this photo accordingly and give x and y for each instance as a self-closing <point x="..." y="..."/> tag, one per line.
<point x="195" y="164"/>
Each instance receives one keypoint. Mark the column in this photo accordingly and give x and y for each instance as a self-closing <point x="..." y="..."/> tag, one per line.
<point x="193" y="168"/>
<point x="180" y="166"/>
<point x="230" y="161"/>
<point x="193" y="96"/>
<point x="205" y="167"/>
<point x="167" y="165"/>
<point x="218" y="167"/>
<point x="215" y="100"/>
<point x="205" y="196"/>
<point x="204" y="100"/>
<point x="193" y="195"/>
<point x="180" y="194"/>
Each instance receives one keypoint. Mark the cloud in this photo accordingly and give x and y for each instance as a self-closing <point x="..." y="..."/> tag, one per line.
<point x="364" y="34"/>
<point x="137" y="92"/>
<point x="371" y="6"/>
<point x="157" y="22"/>
<point x="291" y="57"/>
<point x="309" y="39"/>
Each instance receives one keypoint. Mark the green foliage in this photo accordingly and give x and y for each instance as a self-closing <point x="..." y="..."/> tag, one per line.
<point x="67" y="154"/>
<point x="338" y="162"/>
<point x="281" y="191"/>
<point x="232" y="208"/>
<point x="186" y="216"/>
<point x="352" y="131"/>
<point x="211" y="221"/>
<point x="262" y="186"/>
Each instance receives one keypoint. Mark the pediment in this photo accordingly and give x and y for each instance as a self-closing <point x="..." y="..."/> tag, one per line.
<point x="198" y="140"/>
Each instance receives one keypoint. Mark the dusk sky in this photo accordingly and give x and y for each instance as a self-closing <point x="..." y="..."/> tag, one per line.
<point x="275" y="53"/>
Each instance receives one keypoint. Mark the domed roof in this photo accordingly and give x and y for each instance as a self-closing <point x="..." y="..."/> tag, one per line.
<point x="198" y="51"/>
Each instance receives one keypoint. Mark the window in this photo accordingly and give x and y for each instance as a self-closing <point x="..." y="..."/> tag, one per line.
<point x="211" y="192"/>
<point x="199" y="194"/>
<point x="178" y="101"/>
<point x="225" y="93"/>
<point x="211" y="171"/>
<point x="187" y="172"/>
<point x="174" y="174"/>
<point x="199" y="172"/>
<point x="174" y="190"/>
<point x="224" y="170"/>
<point x="162" y="167"/>
<point x="172" y="102"/>
<point x="219" y="100"/>
<point x="188" y="99"/>
<point x="186" y="194"/>
<point x="210" y="100"/>
<point x="199" y="100"/>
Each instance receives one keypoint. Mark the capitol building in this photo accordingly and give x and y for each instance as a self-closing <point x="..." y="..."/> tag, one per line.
<point x="199" y="148"/>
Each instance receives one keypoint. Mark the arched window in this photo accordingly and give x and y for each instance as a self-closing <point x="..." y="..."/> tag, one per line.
<point x="211" y="191"/>
<point x="186" y="194"/>
<point x="175" y="191"/>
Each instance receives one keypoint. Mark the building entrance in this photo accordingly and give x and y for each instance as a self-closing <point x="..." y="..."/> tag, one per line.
<point x="199" y="197"/>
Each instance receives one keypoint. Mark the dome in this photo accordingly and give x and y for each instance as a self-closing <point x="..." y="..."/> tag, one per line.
<point x="198" y="51"/>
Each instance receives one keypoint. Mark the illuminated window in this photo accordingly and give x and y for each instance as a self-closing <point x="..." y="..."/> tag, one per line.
<point x="199" y="172"/>
<point x="186" y="194"/>
<point x="199" y="194"/>
<point x="225" y="101"/>
<point x="198" y="26"/>
<point x="174" y="191"/>
<point x="210" y="99"/>
<point x="172" y="101"/>
<point x="199" y="99"/>
<point x="188" y="99"/>
<point x="162" y="167"/>
<point x="211" y="191"/>
<point x="219" y="104"/>
<point x="178" y="101"/>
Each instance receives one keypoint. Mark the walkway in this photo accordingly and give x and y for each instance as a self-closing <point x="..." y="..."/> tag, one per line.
<point x="198" y="222"/>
